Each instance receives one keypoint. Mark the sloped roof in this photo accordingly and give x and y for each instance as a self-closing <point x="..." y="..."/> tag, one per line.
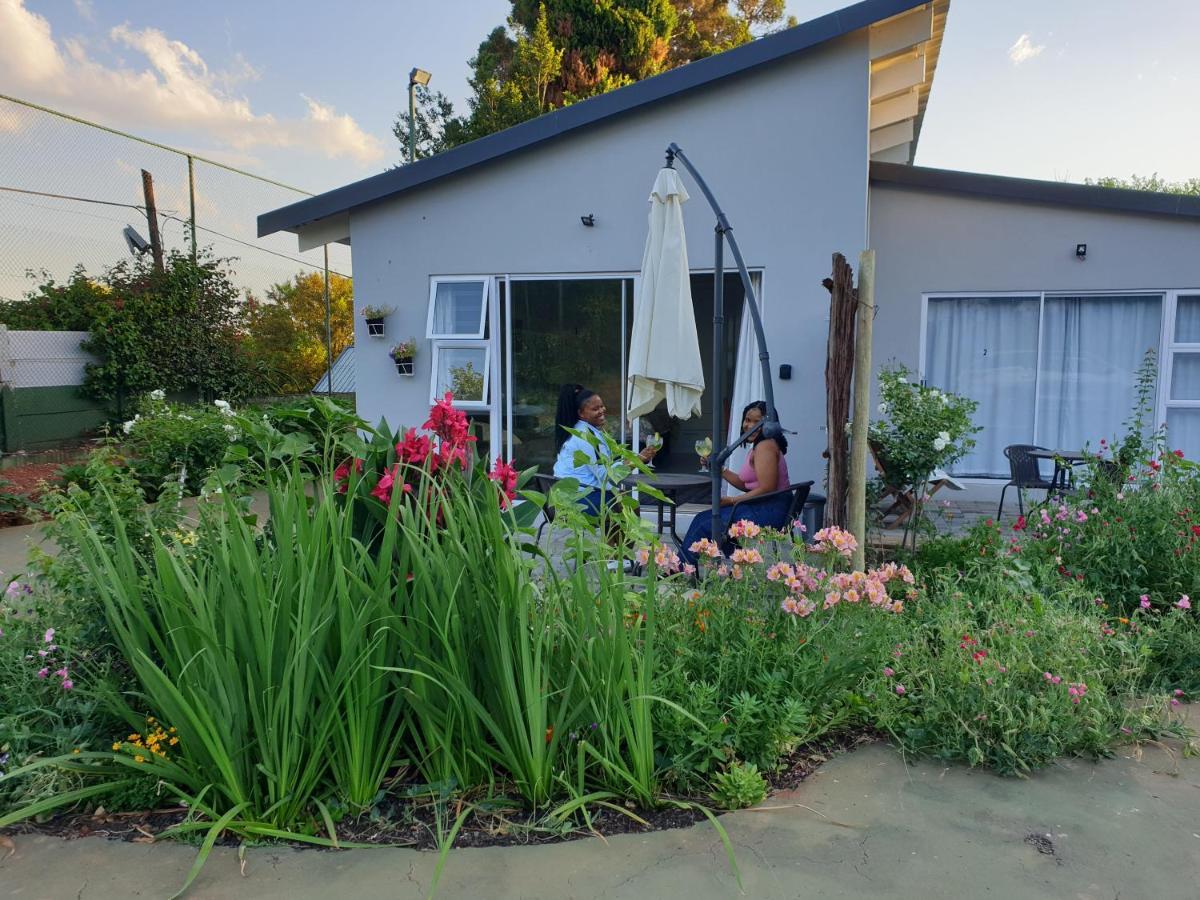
<point x="572" y="118"/>
<point x="343" y="374"/>
<point x="1058" y="193"/>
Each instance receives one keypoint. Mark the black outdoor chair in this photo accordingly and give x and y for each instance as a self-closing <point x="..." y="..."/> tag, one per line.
<point x="799" y="492"/>
<point x="1024" y="473"/>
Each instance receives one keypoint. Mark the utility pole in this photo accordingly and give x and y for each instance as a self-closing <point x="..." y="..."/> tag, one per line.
<point x="152" y="220"/>
<point x="328" y="331"/>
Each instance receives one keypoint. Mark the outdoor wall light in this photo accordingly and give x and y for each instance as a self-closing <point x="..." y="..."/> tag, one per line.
<point x="589" y="220"/>
<point x="419" y="76"/>
<point x="1081" y="251"/>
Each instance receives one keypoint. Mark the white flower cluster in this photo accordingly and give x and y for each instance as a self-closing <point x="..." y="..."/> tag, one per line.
<point x="158" y="394"/>
<point x="224" y="407"/>
<point x="941" y="441"/>
<point x="128" y="426"/>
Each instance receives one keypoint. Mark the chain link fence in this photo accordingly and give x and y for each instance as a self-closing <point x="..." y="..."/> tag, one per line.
<point x="69" y="188"/>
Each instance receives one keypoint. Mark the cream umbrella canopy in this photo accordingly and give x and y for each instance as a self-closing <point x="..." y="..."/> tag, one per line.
<point x="664" y="350"/>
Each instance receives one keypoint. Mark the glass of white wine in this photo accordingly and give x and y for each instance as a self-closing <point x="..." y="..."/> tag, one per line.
<point x="654" y="442"/>
<point x="704" y="451"/>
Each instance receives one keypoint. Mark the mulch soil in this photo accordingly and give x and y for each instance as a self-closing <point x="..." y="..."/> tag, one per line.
<point x="416" y="821"/>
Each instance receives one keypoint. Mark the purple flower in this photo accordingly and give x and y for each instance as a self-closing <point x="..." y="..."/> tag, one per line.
<point x="43" y="672"/>
<point x="889" y="671"/>
<point x="67" y="684"/>
<point x="49" y="635"/>
<point x="1184" y="602"/>
<point x="1144" y="601"/>
<point x="900" y="690"/>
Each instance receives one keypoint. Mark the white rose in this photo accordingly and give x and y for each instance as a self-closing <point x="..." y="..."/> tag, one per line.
<point x="902" y="379"/>
<point x="159" y="394"/>
<point x="944" y="435"/>
<point x="231" y="431"/>
<point x="128" y="426"/>
<point x="935" y="393"/>
<point x="883" y="409"/>
<point x="939" y="445"/>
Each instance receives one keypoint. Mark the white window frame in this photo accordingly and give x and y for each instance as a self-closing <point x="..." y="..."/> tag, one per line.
<point x="482" y="405"/>
<point x="478" y="334"/>
<point x="1166" y="345"/>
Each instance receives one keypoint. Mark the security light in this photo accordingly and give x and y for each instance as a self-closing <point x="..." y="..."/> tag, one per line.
<point x="1081" y="251"/>
<point x="135" y="242"/>
<point x="419" y="76"/>
<point x="589" y="220"/>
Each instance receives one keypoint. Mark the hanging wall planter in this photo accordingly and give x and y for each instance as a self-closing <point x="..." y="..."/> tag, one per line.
<point x="375" y="316"/>
<point x="402" y="355"/>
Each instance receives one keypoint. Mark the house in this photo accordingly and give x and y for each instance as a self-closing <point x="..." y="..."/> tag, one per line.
<point x="514" y="259"/>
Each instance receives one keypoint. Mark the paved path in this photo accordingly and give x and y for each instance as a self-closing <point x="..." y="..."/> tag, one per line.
<point x="867" y="825"/>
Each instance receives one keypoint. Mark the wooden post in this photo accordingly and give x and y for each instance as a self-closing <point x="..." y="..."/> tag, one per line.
<point x="839" y="373"/>
<point x="152" y="220"/>
<point x="862" y="405"/>
<point x="328" y="332"/>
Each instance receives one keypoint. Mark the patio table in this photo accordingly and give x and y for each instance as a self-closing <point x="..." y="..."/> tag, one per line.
<point x="1065" y="462"/>
<point x="676" y="487"/>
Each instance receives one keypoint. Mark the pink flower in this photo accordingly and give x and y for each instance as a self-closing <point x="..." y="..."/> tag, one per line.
<point x="1002" y="669"/>
<point x="744" y="528"/>
<point x="1184" y="602"/>
<point x="1144" y="601"/>
<point x="889" y="671"/>
<point x="747" y="556"/>
<point x="67" y="684"/>
<point x="48" y="636"/>
<point x="900" y="689"/>
<point x="689" y="569"/>
<point x="1178" y="692"/>
<point x="1174" y="702"/>
<point x="43" y="672"/>
<point x="706" y="547"/>
<point x="506" y="476"/>
<point x="61" y="673"/>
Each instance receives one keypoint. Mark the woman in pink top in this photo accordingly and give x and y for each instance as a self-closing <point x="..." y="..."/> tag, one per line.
<point x="764" y="472"/>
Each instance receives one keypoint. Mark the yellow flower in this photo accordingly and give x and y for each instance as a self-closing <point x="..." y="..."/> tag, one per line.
<point x="134" y="737"/>
<point x="150" y="720"/>
<point x="116" y="746"/>
<point x="171" y="729"/>
<point x="174" y="741"/>
<point x="139" y="758"/>
<point x="76" y="750"/>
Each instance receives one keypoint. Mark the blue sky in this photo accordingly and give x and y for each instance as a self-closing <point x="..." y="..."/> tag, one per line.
<point x="306" y="92"/>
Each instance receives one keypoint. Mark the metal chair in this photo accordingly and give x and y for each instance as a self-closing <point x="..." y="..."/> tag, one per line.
<point x="1024" y="473"/>
<point x="799" y="493"/>
<point x="543" y="484"/>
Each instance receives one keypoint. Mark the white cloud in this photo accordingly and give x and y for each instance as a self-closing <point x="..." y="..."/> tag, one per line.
<point x="176" y="90"/>
<point x="85" y="10"/>
<point x="1024" y="49"/>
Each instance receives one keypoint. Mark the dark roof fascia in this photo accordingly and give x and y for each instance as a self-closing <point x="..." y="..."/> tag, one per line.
<point x="1056" y="193"/>
<point x="588" y="112"/>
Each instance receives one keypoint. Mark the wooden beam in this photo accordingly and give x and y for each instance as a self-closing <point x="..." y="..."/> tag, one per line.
<point x="902" y="106"/>
<point x="897" y="75"/>
<point x="901" y="153"/>
<point x="857" y="501"/>
<point x="891" y="135"/>
<point x="901" y="32"/>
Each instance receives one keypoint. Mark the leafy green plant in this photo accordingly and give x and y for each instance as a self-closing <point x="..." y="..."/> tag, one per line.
<point x="184" y="443"/>
<point x="739" y="787"/>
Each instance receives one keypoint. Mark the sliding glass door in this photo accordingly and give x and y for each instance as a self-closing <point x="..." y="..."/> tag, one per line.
<point x="556" y="332"/>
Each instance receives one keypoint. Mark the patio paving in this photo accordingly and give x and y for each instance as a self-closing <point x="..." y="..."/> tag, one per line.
<point x="868" y="825"/>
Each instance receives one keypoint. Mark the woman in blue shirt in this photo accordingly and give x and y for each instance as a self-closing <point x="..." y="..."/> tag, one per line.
<point x="584" y="411"/>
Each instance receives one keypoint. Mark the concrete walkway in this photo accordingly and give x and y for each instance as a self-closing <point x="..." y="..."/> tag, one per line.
<point x="868" y="825"/>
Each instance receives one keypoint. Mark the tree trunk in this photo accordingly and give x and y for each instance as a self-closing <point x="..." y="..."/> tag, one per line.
<point x="839" y="374"/>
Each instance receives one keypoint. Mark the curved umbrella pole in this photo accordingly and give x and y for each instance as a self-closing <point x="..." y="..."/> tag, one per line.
<point x="769" y="426"/>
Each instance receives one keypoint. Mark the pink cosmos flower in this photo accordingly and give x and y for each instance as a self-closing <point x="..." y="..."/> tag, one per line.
<point x="889" y="671"/>
<point x="1184" y="602"/>
<point x="900" y="689"/>
<point x="48" y="636"/>
<point x="67" y="684"/>
<point x="1144" y="601"/>
<point x="43" y="672"/>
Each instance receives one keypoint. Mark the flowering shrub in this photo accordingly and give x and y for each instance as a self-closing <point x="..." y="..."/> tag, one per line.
<point x="177" y="442"/>
<point x="997" y="674"/>
<point x="920" y="428"/>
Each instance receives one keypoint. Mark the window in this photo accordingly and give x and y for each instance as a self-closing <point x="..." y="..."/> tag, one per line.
<point x="458" y="320"/>
<point x="461" y="367"/>
<point x="458" y="308"/>
<point x="1054" y="370"/>
<point x="1182" y="404"/>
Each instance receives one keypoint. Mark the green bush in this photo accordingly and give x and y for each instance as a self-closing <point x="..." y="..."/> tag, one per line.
<point x="169" y="442"/>
<point x="1000" y="673"/>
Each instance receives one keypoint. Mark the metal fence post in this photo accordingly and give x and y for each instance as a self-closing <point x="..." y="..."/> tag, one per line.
<point x="192" y="201"/>
<point x="328" y="331"/>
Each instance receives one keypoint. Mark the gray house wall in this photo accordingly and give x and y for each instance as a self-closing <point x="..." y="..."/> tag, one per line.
<point x="785" y="150"/>
<point x="927" y="241"/>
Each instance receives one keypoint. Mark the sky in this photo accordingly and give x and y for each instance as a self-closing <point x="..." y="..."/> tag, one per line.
<point x="306" y="92"/>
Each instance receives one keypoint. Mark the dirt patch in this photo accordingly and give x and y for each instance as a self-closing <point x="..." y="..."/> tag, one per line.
<point x="407" y="819"/>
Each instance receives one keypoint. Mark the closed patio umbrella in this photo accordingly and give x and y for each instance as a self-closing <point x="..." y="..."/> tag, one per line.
<point x="664" y="351"/>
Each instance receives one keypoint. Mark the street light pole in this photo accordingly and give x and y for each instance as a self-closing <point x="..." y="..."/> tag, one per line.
<point x="415" y="77"/>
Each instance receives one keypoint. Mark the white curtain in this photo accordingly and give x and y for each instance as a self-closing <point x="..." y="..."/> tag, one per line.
<point x="985" y="348"/>
<point x="1187" y="320"/>
<point x="747" y="382"/>
<point x="1091" y="350"/>
<point x="458" y="307"/>
<point x="1183" y="431"/>
<point x="1185" y="377"/>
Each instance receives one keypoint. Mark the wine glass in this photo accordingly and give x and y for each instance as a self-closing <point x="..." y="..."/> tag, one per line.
<point x="654" y="442"/>
<point x="704" y="451"/>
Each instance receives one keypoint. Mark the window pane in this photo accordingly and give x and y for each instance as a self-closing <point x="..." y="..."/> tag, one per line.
<point x="985" y="348"/>
<point x="1185" y="377"/>
<point x="1187" y="320"/>
<point x="461" y="370"/>
<point x="1183" y="431"/>
<point x="457" y="308"/>
<point x="1091" y="350"/>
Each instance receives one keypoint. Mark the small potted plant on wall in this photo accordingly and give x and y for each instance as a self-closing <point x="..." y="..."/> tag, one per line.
<point x="402" y="355"/>
<point x="375" y="316"/>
